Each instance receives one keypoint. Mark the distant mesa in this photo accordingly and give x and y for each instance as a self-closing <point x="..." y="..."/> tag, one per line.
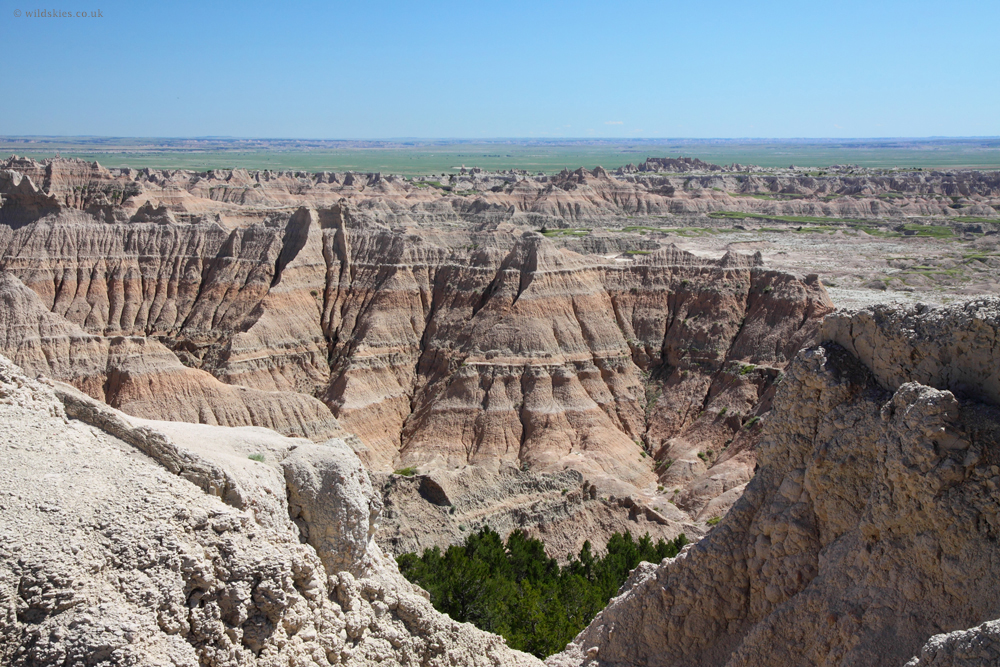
<point x="675" y="165"/>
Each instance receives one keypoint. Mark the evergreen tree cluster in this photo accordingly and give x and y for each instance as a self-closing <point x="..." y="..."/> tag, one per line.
<point x="517" y="591"/>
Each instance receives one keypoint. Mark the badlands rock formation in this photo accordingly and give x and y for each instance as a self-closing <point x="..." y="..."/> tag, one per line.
<point x="300" y="303"/>
<point x="141" y="376"/>
<point x="870" y="527"/>
<point x="567" y="393"/>
<point x="661" y="186"/>
<point x="132" y="542"/>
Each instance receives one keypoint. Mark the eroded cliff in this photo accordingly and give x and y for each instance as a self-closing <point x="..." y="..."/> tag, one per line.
<point x="870" y="526"/>
<point x="441" y="347"/>
<point x="660" y="186"/>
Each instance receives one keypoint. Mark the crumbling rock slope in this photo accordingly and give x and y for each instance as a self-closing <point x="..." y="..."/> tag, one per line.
<point x="563" y="509"/>
<point x="130" y="542"/>
<point x="870" y="527"/>
<point x="140" y="376"/>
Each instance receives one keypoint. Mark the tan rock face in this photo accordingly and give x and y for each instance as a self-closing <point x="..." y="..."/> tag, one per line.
<point x="948" y="348"/>
<point x="142" y="377"/>
<point x="870" y="526"/>
<point x="439" y="346"/>
<point x="128" y="541"/>
<point x="563" y="509"/>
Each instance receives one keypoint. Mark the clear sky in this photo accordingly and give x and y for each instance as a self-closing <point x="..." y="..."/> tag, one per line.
<point x="474" y="69"/>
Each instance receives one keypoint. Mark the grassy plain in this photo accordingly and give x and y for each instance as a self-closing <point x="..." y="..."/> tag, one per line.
<point x="424" y="157"/>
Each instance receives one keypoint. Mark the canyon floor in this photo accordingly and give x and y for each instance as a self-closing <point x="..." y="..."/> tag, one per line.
<point x="857" y="268"/>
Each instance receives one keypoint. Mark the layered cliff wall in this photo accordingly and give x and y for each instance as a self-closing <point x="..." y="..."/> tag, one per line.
<point x="440" y="347"/>
<point x="871" y="524"/>
<point x="514" y="353"/>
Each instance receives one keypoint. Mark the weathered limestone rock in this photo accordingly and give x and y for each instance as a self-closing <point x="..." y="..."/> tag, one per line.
<point x="331" y="497"/>
<point x="953" y="348"/>
<point x="126" y="542"/>
<point x="975" y="647"/>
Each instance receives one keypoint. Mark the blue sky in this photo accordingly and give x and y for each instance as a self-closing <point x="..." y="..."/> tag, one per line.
<point x="513" y="69"/>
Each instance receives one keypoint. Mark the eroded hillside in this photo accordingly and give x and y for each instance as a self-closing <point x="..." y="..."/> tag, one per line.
<point x="571" y="383"/>
<point x="870" y="526"/>
<point x="468" y="350"/>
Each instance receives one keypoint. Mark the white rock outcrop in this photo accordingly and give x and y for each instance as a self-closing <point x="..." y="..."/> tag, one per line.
<point x="130" y="542"/>
<point x="963" y="648"/>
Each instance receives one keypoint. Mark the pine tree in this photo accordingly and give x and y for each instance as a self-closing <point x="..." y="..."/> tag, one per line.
<point x="516" y="590"/>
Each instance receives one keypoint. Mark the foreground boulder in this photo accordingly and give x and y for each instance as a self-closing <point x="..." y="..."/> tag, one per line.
<point x="131" y="542"/>
<point x="870" y="527"/>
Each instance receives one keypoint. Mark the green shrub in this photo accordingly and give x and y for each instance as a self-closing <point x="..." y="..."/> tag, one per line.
<point x="714" y="521"/>
<point x="256" y="457"/>
<point x="405" y="472"/>
<point x="517" y="591"/>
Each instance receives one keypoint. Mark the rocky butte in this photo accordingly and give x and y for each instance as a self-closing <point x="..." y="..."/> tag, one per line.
<point x="405" y="360"/>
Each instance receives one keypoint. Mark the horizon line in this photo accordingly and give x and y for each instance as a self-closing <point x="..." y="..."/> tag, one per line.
<point x="498" y="138"/>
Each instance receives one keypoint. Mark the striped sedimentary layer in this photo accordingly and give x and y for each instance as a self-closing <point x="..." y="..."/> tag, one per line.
<point x="437" y="350"/>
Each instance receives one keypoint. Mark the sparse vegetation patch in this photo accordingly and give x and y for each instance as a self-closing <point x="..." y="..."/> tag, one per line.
<point x="518" y="592"/>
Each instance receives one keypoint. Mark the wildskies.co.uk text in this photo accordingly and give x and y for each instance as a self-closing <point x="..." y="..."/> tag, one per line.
<point x="61" y="14"/>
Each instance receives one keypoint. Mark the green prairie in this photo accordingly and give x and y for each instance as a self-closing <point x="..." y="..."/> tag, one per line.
<point x="426" y="157"/>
